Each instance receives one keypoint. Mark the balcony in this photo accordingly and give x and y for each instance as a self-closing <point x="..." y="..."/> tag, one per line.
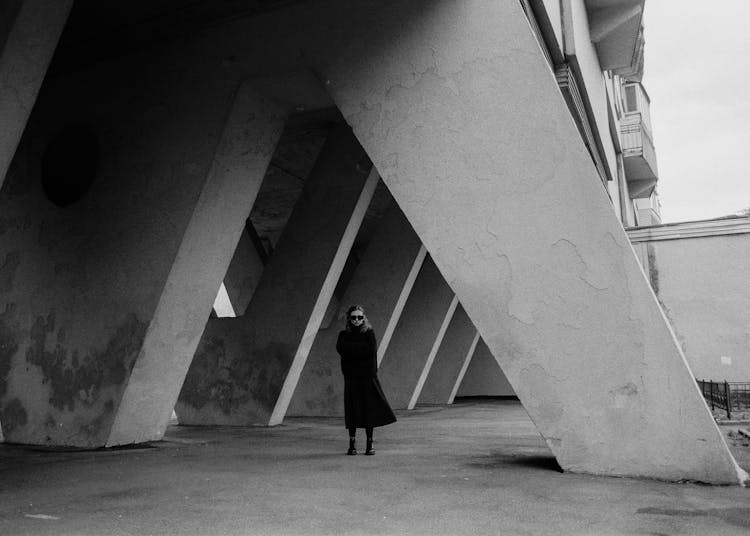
<point x="637" y="143"/>
<point x="617" y="33"/>
<point x="648" y="211"/>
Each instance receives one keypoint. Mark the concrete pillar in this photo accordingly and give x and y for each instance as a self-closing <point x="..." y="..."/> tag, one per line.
<point x="483" y="376"/>
<point x="105" y="298"/>
<point x="417" y="337"/>
<point x="449" y="360"/>
<point x="458" y="109"/>
<point x="464" y="367"/>
<point x="245" y="369"/>
<point x="381" y="283"/>
<point x="249" y="138"/>
<point x="29" y="31"/>
<point x="244" y="271"/>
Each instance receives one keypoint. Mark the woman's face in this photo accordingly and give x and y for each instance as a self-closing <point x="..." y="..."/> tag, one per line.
<point x="357" y="318"/>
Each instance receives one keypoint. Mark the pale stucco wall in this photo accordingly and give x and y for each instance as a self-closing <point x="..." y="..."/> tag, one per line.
<point x="702" y="285"/>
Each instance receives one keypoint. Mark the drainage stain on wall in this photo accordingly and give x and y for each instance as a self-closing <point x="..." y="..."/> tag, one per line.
<point x="230" y="384"/>
<point x="13" y="416"/>
<point x="93" y="380"/>
<point x="79" y="379"/>
<point x="653" y="269"/>
<point x="8" y="271"/>
<point x="8" y="346"/>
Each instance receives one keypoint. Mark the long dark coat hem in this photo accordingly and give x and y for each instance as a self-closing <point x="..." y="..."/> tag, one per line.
<point x="365" y="405"/>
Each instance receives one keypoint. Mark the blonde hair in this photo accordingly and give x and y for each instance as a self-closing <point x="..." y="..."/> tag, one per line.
<point x="366" y="326"/>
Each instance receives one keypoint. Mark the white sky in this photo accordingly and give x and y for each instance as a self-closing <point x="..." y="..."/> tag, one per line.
<point x="697" y="73"/>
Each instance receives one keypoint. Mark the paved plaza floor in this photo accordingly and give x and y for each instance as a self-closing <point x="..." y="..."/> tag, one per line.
<point x="476" y="467"/>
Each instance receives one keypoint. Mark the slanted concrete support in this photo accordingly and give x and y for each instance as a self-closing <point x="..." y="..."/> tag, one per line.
<point x="245" y="369"/>
<point x="417" y="337"/>
<point x="105" y="298"/>
<point x="464" y="367"/>
<point x="249" y="138"/>
<point x="449" y="360"/>
<point x="244" y="272"/>
<point x="381" y="283"/>
<point x="483" y="376"/>
<point x="29" y="31"/>
<point x="459" y="111"/>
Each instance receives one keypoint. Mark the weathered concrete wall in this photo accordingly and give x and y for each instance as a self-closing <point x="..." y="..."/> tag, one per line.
<point x="449" y="359"/>
<point x="484" y="377"/>
<point x="465" y="122"/>
<point x="417" y="336"/>
<point x="29" y="31"/>
<point x="702" y="285"/>
<point x="381" y="283"/>
<point x="89" y="289"/>
<point x="245" y="368"/>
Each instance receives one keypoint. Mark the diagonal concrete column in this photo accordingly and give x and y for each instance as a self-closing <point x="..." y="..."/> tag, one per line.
<point x="107" y="295"/>
<point x="464" y="367"/>
<point x="449" y="360"/>
<point x="483" y="376"/>
<point x="458" y="109"/>
<point x="381" y="283"/>
<point x="249" y="138"/>
<point x="244" y="271"/>
<point x="245" y="369"/>
<point x="417" y="337"/>
<point x="29" y="31"/>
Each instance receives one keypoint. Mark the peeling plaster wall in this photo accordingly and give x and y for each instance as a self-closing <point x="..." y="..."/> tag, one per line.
<point x="79" y="285"/>
<point x="703" y="286"/>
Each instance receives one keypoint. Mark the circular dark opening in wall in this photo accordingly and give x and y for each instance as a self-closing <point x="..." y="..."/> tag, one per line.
<point x="69" y="165"/>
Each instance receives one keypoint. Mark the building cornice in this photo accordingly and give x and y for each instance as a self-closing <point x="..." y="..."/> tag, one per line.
<point x="690" y="229"/>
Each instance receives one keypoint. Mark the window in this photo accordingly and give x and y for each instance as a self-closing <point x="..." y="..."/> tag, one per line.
<point x="631" y="99"/>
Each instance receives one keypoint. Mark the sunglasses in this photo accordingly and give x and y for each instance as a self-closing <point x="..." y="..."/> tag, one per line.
<point x="356" y="317"/>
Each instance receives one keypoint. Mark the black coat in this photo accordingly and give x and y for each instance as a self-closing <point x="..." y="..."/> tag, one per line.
<point x="365" y="405"/>
<point x="359" y="354"/>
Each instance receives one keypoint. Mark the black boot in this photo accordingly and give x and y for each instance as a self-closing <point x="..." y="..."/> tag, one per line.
<point x="352" y="449"/>
<point x="370" y="451"/>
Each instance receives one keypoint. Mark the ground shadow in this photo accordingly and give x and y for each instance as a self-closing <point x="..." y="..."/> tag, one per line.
<point x="534" y="461"/>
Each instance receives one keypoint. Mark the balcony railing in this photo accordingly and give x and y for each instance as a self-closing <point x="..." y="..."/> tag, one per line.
<point x="637" y="144"/>
<point x="729" y="396"/>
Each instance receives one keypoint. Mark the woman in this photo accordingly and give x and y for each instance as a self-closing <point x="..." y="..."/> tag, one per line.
<point x="365" y="405"/>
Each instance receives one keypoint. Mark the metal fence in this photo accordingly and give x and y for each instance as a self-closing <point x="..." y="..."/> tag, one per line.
<point x="729" y="396"/>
